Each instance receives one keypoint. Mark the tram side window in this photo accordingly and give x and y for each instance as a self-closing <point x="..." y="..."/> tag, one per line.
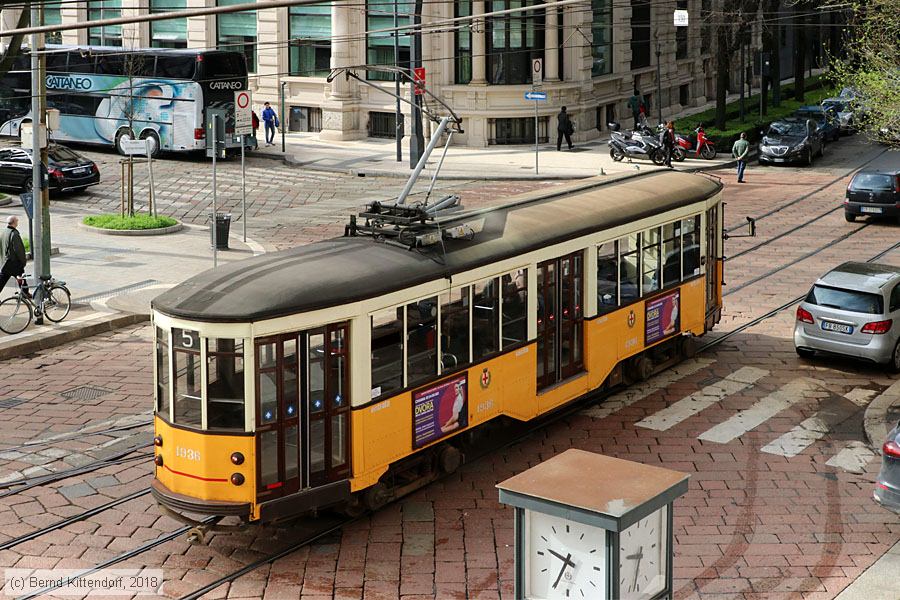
<point x="225" y="384"/>
<point x="691" y="246"/>
<point x="485" y="318"/>
<point x="629" y="268"/>
<point x="672" y="253"/>
<point x="455" y="328"/>
<point x="515" y="307"/>
<point x="162" y="372"/>
<point x="421" y="340"/>
<point x="650" y="260"/>
<point x="186" y="358"/>
<point x="607" y="278"/>
<point x="387" y="351"/>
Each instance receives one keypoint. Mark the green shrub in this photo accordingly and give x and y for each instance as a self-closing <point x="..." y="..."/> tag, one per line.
<point x="129" y="223"/>
<point x="27" y="244"/>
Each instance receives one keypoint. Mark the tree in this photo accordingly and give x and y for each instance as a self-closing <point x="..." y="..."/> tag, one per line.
<point x="15" y="42"/>
<point x="871" y="65"/>
<point x="733" y="22"/>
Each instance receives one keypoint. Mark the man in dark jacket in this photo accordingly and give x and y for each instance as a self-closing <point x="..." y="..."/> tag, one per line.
<point x="667" y="140"/>
<point x="12" y="252"/>
<point x="564" y="128"/>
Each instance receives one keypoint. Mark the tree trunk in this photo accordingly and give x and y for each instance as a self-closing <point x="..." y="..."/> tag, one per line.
<point x="799" y="54"/>
<point x="722" y="72"/>
<point x="15" y="43"/>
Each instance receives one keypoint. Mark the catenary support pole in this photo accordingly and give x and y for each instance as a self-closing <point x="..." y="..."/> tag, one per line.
<point x="243" y="186"/>
<point x="214" y="128"/>
<point x="37" y="248"/>
<point x="658" y="80"/>
<point x="536" y="147"/>
<point x="283" y="117"/>
<point x="398" y="114"/>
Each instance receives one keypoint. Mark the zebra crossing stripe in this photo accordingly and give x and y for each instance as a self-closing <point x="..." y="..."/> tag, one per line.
<point x="751" y="418"/>
<point x="814" y="428"/>
<point x="687" y="407"/>
<point x="637" y="393"/>
<point x="852" y="458"/>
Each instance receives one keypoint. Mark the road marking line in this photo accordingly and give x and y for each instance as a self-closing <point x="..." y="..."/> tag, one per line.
<point x="799" y="438"/>
<point x="636" y="393"/>
<point x="860" y="396"/>
<point x="751" y="418"/>
<point x="687" y="407"/>
<point x="852" y="458"/>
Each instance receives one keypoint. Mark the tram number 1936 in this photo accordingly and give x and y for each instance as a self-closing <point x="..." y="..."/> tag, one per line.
<point x="187" y="453"/>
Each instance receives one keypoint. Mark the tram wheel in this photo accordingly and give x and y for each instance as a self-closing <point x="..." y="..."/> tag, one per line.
<point x="354" y="507"/>
<point x="376" y="496"/>
<point x="642" y="368"/>
<point x="449" y="459"/>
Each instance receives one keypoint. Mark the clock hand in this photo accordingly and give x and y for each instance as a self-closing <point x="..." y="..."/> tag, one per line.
<point x="566" y="563"/>
<point x="635" y="556"/>
<point x="561" y="557"/>
<point x="637" y="568"/>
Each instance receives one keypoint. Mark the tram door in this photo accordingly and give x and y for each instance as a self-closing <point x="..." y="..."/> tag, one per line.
<point x="302" y="413"/>
<point x="560" y="315"/>
<point x="712" y="259"/>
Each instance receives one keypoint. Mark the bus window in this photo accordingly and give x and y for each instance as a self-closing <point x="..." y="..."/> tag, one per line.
<point x="225" y="384"/>
<point x="671" y="253"/>
<point x="690" y="244"/>
<point x="607" y="278"/>
<point x="112" y="64"/>
<point x="629" y="268"/>
<point x="176" y="66"/>
<point x="162" y="371"/>
<point x="650" y="260"/>
<point x="455" y="328"/>
<point x="421" y="340"/>
<point x="515" y="307"/>
<point x="81" y="62"/>
<point x="57" y="61"/>
<point x="186" y="358"/>
<point x="387" y="351"/>
<point x="485" y="319"/>
<point x="216" y="66"/>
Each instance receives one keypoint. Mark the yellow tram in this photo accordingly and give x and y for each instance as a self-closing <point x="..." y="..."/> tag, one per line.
<point x="347" y="371"/>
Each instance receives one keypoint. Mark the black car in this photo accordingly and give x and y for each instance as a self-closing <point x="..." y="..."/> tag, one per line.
<point x="791" y="140"/>
<point x="887" y="486"/>
<point x="875" y="193"/>
<point x="827" y="121"/>
<point x="67" y="170"/>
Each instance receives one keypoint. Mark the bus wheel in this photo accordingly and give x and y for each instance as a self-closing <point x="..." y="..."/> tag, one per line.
<point x="154" y="141"/>
<point x="123" y="134"/>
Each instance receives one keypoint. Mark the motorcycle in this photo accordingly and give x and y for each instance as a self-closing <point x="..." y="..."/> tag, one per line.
<point x="635" y="146"/>
<point x="699" y="147"/>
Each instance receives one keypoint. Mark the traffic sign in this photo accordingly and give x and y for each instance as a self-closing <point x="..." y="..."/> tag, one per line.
<point x="681" y="18"/>
<point x="537" y="71"/>
<point x="133" y="147"/>
<point x="243" y="113"/>
<point x="535" y="95"/>
<point x="419" y="80"/>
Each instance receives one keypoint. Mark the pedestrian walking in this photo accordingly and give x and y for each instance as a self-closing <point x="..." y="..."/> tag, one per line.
<point x="740" y="150"/>
<point x="635" y="103"/>
<point x="271" y="121"/>
<point x="667" y="141"/>
<point x="12" y="252"/>
<point x="564" y="128"/>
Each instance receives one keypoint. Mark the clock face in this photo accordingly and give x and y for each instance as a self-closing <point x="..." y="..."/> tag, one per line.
<point x="643" y="553"/>
<point x="563" y="559"/>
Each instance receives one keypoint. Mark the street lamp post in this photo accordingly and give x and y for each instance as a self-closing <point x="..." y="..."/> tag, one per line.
<point x="658" y="80"/>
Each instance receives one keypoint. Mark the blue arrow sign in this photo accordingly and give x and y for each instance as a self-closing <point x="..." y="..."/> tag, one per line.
<point x="535" y="95"/>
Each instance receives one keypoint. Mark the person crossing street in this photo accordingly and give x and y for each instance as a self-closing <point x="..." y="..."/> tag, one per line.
<point x="564" y="128"/>
<point x="740" y="150"/>
<point x="271" y="121"/>
<point x="12" y="252"/>
<point x="667" y="141"/>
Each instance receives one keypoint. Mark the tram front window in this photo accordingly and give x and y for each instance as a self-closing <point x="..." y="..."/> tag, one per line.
<point x="162" y="372"/>
<point x="186" y="358"/>
<point x="225" y="384"/>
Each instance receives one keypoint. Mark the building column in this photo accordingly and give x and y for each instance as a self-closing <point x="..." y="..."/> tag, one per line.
<point x="201" y="31"/>
<point x="479" y="48"/>
<point x="340" y="111"/>
<point x="551" y="44"/>
<point x="341" y="55"/>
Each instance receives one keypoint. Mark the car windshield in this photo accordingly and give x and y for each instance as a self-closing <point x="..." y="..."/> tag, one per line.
<point x="872" y="181"/>
<point x="779" y="129"/>
<point x="815" y="116"/>
<point x="842" y="299"/>
<point x="62" y="154"/>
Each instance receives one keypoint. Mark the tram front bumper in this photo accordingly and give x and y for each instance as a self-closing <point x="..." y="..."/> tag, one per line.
<point x="180" y="503"/>
<point x="305" y="501"/>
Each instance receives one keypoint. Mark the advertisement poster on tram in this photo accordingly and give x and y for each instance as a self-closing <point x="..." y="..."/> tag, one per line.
<point x="440" y="409"/>
<point x="661" y="317"/>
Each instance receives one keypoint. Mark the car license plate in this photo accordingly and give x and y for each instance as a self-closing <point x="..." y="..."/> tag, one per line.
<point x="837" y="327"/>
<point x="777" y="160"/>
<point x="871" y="209"/>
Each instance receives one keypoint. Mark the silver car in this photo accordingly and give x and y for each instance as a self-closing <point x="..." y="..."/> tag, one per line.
<point x="854" y="310"/>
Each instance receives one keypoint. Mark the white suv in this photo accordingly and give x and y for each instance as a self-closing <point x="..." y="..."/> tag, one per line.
<point x="853" y="310"/>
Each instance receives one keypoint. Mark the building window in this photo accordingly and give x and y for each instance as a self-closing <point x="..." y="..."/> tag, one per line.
<point x="380" y="15"/>
<point x="237" y="31"/>
<point x="383" y="124"/>
<point x="310" y="43"/>
<point x="110" y="35"/>
<point x="53" y="16"/>
<point x="681" y="34"/>
<point x="684" y="94"/>
<point x="516" y="131"/>
<point x="513" y="40"/>
<point x="601" y="44"/>
<point x="171" y="33"/>
<point x="305" y="118"/>
<point x="705" y="28"/>
<point x="463" y="43"/>
<point x="640" y="34"/>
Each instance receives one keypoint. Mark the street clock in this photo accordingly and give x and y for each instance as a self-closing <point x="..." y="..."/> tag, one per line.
<point x="592" y="526"/>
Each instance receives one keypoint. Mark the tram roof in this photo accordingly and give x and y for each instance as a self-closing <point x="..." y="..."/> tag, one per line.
<point x="350" y="269"/>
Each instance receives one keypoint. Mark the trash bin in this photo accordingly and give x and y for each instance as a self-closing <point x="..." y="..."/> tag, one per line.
<point x="223" y="226"/>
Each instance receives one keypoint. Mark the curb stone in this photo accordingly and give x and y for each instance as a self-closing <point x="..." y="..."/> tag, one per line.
<point x="76" y="332"/>
<point x="875" y="419"/>
<point x="133" y="232"/>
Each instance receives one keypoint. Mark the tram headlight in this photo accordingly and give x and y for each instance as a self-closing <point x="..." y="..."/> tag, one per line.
<point x="158" y="460"/>
<point x="157" y="440"/>
<point x="237" y="458"/>
<point x="237" y="479"/>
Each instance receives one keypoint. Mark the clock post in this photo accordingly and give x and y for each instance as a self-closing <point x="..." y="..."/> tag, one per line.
<point x="593" y="526"/>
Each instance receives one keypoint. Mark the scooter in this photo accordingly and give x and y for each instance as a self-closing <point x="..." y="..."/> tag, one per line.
<point x="699" y="147"/>
<point x="644" y="147"/>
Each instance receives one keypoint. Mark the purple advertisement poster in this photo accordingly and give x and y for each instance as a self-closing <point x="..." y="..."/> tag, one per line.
<point x="439" y="410"/>
<point x="661" y="317"/>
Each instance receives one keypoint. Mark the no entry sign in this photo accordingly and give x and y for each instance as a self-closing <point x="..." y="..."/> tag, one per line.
<point x="243" y="113"/>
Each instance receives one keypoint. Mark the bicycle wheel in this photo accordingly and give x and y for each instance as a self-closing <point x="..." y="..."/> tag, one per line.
<point x="15" y="315"/>
<point x="57" y="303"/>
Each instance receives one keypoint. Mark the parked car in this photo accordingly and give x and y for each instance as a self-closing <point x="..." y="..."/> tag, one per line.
<point x="844" y="111"/>
<point x="827" y="121"/>
<point x="67" y="170"/>
<point x="791" y="140"/>
<point x="874" y="193"/>
<point x="887" y="486"/>
<point x="853" y="310"/>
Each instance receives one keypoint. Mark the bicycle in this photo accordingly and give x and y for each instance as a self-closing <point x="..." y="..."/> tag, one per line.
<point x="51" y="299"/>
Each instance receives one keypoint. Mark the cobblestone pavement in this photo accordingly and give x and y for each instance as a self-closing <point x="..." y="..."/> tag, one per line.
<point x="779" y="505"/>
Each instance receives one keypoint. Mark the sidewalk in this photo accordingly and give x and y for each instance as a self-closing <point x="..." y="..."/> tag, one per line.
<point x="878" y="582"/>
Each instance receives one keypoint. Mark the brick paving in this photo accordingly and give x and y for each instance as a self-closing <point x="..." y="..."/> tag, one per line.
<point x="753" y="525"/>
